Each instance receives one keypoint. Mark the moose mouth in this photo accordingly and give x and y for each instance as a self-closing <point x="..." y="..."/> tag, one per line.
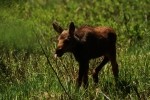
<point x="59" y="53"/>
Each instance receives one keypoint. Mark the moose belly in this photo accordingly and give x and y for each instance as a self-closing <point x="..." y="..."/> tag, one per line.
<point x="95" y="52"/>
<point x="90" y="51"/>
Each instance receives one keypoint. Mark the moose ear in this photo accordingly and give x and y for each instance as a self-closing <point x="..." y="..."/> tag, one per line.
<point x="57" y="28"/>
<point x="71" y="28"/>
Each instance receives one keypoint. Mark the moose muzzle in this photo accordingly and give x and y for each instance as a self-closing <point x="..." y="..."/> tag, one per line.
<point x="58" y="52"/>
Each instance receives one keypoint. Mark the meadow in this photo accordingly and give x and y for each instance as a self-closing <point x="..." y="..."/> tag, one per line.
<point x="28" y="70"/>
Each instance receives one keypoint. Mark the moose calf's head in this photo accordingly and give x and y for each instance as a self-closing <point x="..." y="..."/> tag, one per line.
<point x="65" y="40"/>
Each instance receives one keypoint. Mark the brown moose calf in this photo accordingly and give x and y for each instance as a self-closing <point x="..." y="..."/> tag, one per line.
<point x="86" y="43"/>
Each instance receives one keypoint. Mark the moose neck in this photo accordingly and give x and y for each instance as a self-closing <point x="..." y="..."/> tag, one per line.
<point x="78" y="50"/>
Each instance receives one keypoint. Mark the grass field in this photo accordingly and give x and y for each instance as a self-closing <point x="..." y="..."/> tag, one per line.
<point x="28" y="41"/>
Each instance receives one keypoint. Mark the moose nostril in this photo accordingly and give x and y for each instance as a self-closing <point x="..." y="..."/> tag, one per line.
<point x="58" y="48"/>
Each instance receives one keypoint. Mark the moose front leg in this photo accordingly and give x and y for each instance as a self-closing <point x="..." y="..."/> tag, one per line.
<point x="85" y="77"/>
<point x="80" y="76"/>
<point x="83" y="73"/>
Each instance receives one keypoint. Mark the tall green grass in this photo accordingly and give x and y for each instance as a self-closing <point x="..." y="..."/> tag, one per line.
<point x="25" y="72"/>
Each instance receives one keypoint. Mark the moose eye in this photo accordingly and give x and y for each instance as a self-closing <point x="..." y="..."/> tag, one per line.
<point x="66" y="41"/>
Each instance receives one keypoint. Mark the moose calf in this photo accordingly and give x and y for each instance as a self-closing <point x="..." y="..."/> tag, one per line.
<point x="86" y="43"/>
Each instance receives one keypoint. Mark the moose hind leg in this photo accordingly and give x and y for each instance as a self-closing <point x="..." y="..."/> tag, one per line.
<point x="115" y="69"/>
<point x="96" y="71"/>
<point x="114" y="64"/>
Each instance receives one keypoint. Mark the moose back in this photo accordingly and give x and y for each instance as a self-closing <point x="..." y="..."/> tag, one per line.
<point x="87" y="42"/>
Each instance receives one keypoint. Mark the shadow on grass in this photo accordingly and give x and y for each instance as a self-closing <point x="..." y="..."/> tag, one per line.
<point x="122" y="87"/>
<point x="126" y="87"/>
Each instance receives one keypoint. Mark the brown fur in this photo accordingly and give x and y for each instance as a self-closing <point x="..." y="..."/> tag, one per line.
<point x="87" y="43"/>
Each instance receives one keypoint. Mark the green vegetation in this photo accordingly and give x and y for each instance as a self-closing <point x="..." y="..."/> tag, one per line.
<point x="25" y="73"/>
